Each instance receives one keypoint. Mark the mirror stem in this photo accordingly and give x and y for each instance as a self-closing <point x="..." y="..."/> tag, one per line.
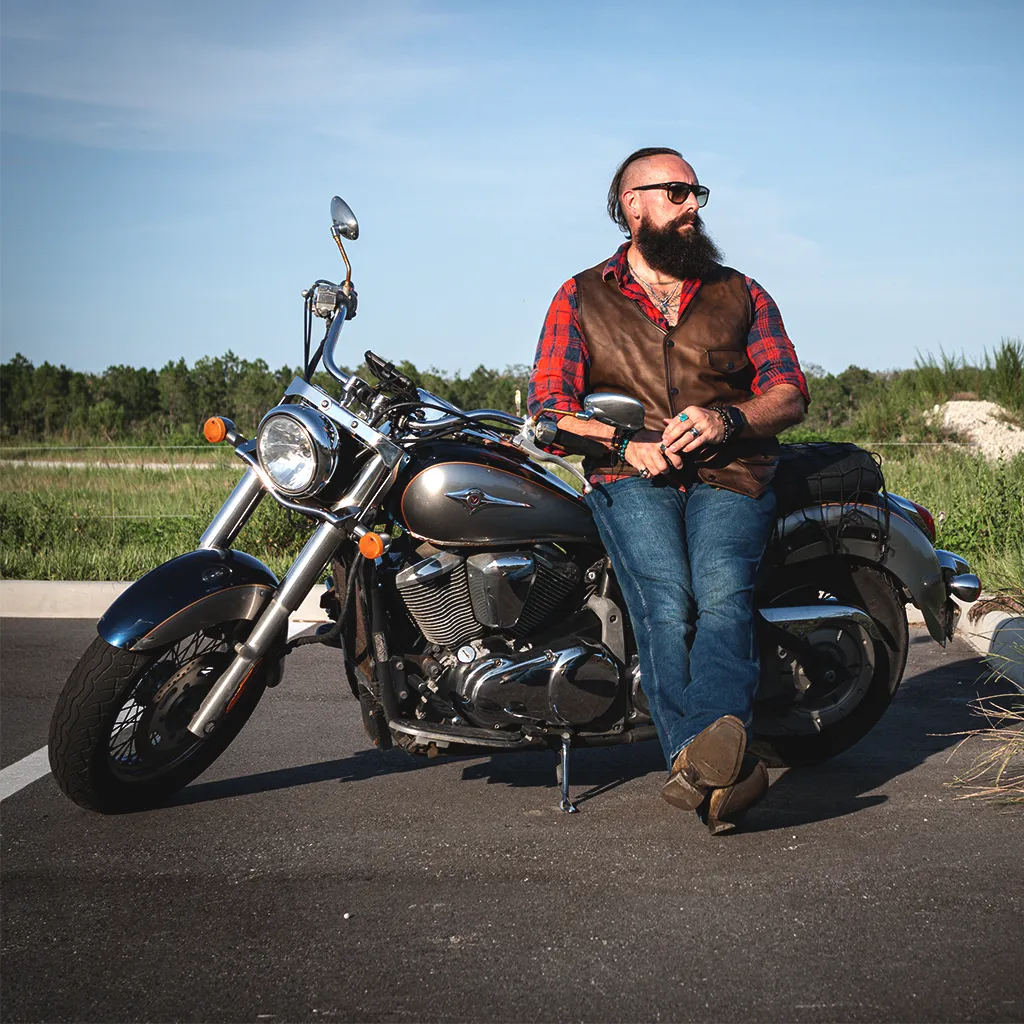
<point x="348" y="266"/>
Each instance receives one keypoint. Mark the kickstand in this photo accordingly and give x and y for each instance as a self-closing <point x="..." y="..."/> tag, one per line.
<point x="563" y="777"/>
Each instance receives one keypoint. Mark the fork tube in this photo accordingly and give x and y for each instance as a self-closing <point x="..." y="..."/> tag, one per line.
<point x="296" y="584"/>
<point x="234" y="513"/>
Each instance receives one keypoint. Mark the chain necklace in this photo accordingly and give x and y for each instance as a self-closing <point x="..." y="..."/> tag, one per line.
<point x="665" y="302"/>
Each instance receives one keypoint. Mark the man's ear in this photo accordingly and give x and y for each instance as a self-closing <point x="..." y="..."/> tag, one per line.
<point x="630" y="206"/>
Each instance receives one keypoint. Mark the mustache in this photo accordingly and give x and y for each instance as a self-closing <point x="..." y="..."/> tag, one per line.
<point x="687" y="218"/>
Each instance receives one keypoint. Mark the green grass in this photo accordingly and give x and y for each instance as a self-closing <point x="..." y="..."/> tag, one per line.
<point x="978" y="505"/>
<point x="104" y="524"/>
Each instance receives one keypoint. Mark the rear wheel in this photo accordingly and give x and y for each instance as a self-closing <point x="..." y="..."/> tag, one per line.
<point x="119" y="738"/>
<point x="815" y="702"/>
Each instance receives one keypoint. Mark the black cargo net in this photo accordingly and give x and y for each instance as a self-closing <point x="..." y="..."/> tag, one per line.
<point x="832" y="476"/>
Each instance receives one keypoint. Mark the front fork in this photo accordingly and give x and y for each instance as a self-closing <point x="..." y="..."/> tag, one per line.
<point x="235" y="512"/>
<point x="272" y="622"/>
<point x="374" y="479"/>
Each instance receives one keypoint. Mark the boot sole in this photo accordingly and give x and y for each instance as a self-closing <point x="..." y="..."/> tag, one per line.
<point x="713" y="761"/>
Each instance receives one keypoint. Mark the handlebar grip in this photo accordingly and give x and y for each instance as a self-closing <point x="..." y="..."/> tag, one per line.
<point x="548" y="434"/>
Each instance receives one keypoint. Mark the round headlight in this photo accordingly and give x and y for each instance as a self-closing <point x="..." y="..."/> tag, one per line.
<point x="298" y="448"/>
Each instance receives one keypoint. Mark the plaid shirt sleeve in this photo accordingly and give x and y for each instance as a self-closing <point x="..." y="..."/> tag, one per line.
<point x="768" y="346"/>
<point x="559" y="377"/>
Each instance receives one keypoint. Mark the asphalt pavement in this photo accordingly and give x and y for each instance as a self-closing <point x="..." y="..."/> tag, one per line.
<point x="306" y="877"/>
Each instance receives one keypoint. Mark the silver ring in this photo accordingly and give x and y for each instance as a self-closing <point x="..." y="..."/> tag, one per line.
<point x="644" y="473"/>
<point x="695" y="432"/>
<point x="662" y="448"/>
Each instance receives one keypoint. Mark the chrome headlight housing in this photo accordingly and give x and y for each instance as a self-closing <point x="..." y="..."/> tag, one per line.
<point x="298" y="449"/>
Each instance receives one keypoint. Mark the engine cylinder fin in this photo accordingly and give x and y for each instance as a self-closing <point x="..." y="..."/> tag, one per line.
<point x="437" y="597"/>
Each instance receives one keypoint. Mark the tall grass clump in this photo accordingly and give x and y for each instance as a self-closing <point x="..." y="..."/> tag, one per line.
<point x="997" y="772"/>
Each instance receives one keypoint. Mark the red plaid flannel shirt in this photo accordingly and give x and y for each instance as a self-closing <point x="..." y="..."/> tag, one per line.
<point x="562" y="362"/>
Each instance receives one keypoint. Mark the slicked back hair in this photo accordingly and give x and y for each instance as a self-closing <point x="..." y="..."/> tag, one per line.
<point x="614" y="191"/>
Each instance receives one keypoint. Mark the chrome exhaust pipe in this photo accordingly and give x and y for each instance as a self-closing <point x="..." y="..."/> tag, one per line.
<point x="802" y="620"/>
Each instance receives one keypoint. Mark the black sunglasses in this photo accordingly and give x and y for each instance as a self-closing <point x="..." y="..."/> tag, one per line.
<point x="679" y="191"/>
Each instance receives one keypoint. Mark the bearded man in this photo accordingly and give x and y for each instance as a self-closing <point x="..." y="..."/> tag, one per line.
<point x="684" y="507"/>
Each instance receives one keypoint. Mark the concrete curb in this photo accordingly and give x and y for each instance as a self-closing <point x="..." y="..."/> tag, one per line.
<point x="998" y="635"/>
<point x="60" y="599"/>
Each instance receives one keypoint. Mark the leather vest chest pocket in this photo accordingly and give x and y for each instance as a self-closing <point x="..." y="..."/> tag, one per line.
<point x="726" y="360"/>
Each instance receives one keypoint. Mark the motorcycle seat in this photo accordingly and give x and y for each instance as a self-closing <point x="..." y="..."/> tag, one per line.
<point x="821" y="472"/>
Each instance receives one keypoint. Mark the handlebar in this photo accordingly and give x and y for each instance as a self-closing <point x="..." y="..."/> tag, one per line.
<point x="548" y="434"/>
<point x="331" y="343"/>
<point x="471" y="415"/>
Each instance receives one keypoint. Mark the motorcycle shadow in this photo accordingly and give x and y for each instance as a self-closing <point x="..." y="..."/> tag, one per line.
<point x="358" y="767"/>
<point x="929" y="715"/>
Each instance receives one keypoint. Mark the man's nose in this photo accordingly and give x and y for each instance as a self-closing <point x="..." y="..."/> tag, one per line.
<point x="690" y="204"/>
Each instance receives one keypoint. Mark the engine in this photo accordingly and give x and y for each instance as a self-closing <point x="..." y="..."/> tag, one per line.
<point x="483" y="610"/>
<point x="455" y="599"/>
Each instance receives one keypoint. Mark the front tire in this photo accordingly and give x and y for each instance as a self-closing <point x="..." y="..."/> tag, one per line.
<point x="801" y="718"/>
<point x="119" y="740"/>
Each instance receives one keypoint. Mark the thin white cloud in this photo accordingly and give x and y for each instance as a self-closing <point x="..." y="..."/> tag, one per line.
<point x="110" y="74"/>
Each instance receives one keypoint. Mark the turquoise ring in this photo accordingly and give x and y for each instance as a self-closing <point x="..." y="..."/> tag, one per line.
<point x="683" y="417"/>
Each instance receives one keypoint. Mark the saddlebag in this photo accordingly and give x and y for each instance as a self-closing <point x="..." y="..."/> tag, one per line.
<point x="826" y="472"/>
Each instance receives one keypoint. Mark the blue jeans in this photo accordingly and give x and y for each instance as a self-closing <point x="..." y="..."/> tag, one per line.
<point x="685" y="562"/>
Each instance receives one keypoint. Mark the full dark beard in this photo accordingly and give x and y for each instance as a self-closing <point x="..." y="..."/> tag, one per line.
<point x="691" y="255"/>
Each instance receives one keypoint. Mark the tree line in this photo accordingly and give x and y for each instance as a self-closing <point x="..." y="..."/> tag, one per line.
<point x="168" y="406"/>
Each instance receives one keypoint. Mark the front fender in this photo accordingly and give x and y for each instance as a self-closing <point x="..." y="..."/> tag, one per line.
<point x="186" y="594"/>
<point x="906" y="553"/>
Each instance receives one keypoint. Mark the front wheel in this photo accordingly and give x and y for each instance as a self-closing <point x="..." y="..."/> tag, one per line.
<point x="119" y="738"/>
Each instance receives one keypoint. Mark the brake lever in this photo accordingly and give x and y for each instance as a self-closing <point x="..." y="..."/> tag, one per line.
<point x="526" y="440"/>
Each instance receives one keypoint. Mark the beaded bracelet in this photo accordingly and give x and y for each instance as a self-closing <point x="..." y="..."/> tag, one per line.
<point x="621" y="442"/>
<point x="726" y="422"/>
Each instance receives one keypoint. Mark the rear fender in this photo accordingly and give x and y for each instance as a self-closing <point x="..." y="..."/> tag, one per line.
<point x="907" y="553"/>
<point x="186" y="594"/>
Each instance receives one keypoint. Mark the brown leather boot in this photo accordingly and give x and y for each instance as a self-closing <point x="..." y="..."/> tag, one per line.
<point x="711" y="760"/>
<point x="724" y="808"/>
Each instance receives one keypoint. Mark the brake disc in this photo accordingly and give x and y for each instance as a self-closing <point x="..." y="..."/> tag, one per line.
<point x="162" y="733"/>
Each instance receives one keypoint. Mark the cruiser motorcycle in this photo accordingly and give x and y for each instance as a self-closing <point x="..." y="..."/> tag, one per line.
<point x="472" y="604"/>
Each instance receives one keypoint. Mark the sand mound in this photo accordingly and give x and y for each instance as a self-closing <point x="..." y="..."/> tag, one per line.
<point x="982" y="426"/>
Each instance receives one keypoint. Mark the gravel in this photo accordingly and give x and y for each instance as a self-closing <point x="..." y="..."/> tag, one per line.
<point x="982" y="425"/>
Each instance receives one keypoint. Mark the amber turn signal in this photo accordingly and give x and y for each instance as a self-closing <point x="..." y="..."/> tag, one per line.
<point x="215" y="430"/>
<point x="371" y="545"/>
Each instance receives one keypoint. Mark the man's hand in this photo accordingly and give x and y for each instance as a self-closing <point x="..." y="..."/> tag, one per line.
<point x="679" y="431"/>
<point x="652" y="455"/>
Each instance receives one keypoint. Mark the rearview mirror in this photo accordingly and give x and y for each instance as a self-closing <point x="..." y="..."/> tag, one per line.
<point x="344" y="219"/>
<point x="616" y="410"/>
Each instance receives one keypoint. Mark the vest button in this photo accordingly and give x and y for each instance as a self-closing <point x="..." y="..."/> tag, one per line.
<point x="670" y="343"/>
<point x="728" y="366"/>
<point x="675" y="391"/>
<point x="711" y="476"/>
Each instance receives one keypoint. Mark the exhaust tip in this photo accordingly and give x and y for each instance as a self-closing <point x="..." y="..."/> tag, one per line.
<point x="966" y="587"/>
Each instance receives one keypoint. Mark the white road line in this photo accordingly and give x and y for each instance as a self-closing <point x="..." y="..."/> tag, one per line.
<point x="18" y="775"/>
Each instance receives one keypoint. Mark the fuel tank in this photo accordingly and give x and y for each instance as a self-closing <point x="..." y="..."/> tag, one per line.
<point x="456" y="494"/>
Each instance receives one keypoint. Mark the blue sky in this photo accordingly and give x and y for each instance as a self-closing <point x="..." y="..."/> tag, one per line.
<point x="167" y="167"/>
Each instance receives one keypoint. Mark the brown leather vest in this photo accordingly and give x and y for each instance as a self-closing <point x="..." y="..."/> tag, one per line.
<point x="701" y="361"/>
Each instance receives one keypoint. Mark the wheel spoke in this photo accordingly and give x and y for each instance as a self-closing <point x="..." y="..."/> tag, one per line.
<point x="125" y="746"/>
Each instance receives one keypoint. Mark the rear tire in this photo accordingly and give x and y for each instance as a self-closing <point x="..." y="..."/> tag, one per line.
<point x="788" y="737"/>
<point x="118" y="737"/>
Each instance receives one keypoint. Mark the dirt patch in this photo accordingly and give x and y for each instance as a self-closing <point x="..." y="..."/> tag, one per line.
<point x="982" y="426"/>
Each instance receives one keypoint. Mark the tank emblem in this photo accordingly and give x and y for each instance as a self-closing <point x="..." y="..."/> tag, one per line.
<point x="473" y="499"/>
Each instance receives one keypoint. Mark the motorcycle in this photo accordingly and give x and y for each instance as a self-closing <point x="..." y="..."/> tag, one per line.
<point x="470" y="599"/>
